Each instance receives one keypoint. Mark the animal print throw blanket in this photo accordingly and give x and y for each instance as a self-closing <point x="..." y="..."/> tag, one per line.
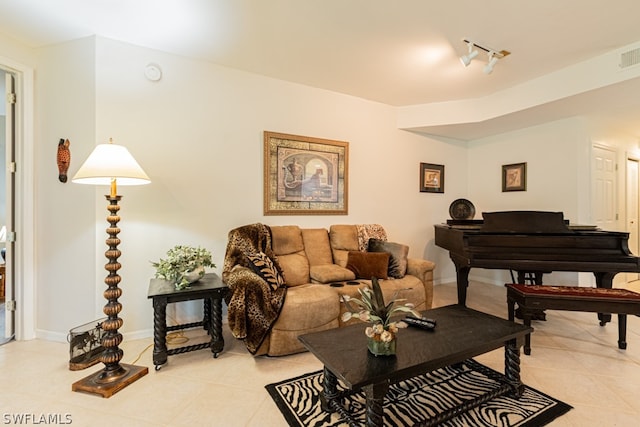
<point x="253" y="276"/>
<point x="369" y="231"/>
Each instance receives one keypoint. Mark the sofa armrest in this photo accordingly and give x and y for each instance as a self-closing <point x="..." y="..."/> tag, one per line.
<point x="423" y="270"/>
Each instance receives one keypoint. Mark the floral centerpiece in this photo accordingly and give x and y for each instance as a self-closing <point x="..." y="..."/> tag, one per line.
<point x="183" y="265"/>
<point x="371" y="308"/>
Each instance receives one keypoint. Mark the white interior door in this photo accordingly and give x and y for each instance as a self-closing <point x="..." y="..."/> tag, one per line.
<point x="633" y="181"/>
<point x="604" y="190"/>
<point x="604" y="201"/>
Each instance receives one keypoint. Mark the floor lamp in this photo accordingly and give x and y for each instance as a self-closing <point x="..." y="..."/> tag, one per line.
<point x="106" y="165"/>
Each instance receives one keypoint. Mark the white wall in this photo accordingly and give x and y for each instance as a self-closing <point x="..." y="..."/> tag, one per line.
<point x="11" y="51"/>
<point x="65" y="213"/>
<point x="552" y="152"/>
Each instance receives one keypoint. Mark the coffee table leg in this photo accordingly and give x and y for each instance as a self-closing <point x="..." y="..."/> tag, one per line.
<point x="329" y="390"/>
<point x="375" y="399"/>
<point x="512" y="367"/>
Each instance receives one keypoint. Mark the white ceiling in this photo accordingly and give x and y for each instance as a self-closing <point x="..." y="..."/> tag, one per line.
<point x="402" y="52"/>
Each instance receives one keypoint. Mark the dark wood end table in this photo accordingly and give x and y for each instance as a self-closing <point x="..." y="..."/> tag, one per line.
<point x="461" y="333"/>
<point x="210" y="289"/>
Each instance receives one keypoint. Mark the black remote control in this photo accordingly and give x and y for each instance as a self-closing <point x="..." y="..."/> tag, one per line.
<point x="422" y="323"/>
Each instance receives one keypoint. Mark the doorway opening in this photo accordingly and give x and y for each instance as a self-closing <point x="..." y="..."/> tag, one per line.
<point x="7" y="259"/>
<point x="19" y="194"/>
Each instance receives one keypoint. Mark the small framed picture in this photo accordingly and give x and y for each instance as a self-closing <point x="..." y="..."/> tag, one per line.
<point x="431" y="178"/>
<point x="514" y="177"/>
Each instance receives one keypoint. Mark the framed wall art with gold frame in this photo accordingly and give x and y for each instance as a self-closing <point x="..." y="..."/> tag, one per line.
<point x="305" y="175"/>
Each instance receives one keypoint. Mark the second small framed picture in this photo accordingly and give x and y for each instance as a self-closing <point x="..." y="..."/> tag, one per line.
<point x="431" y="178"/>
<point x="514" y="177"/>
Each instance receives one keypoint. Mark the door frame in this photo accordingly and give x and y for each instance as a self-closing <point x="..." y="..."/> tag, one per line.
<point x="20" y="283"/>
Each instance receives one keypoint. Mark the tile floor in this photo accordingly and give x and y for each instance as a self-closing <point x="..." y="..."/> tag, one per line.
<point x="573" y="359"/>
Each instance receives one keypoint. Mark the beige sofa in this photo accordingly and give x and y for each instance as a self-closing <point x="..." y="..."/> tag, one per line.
<point x="319" y="265"/>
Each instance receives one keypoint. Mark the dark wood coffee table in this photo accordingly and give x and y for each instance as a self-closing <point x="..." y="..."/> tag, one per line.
<point x="461" y="333"/>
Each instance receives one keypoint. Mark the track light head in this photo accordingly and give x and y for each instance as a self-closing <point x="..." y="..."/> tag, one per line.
<point x="493" y="60"/>
<point x="473" y="52"/>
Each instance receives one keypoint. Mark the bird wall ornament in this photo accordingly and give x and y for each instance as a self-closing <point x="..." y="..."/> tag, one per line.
<point x="63" y="158"/>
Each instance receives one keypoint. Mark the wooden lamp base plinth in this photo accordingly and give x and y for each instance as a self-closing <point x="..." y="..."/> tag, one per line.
<point x="94" y="384"/>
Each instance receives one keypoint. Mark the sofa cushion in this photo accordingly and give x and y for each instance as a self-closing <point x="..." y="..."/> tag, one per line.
<point x="316" y="246"/>
<point x="286" y="239"/>
<point x="366" y="265"/>
<point x="343" y="238"/>
<point x="295" y="269"/>
<point x="328" y="273"/>
<point x="265" y="268"/>
<point x="287" y="244"/>
<point x="398" y="256"/>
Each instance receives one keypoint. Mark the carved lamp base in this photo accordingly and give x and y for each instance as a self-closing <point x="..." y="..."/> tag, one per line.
<point x="94" y="384"/>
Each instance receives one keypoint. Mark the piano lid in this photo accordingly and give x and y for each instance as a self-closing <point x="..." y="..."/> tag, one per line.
<point x="525" y="222"/>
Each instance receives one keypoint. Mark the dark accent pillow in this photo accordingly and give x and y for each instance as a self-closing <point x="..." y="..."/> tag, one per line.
<point x="366" y="265"/>
<point x="398" y="252"/>
<point x="265" y="268"/>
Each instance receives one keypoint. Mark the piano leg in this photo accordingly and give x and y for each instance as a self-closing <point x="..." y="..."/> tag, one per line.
<point x="523" y="276"/>
<point x="462" y="278"/>
<point x="604" y="280"/>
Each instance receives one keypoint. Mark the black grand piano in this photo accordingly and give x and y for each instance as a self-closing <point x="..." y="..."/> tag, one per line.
<point x="533" y="242"/>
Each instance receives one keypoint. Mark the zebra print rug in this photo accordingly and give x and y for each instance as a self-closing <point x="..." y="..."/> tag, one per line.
<point x="415" y="400"/>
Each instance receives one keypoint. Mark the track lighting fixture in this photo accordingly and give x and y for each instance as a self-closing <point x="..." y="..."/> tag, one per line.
<point x="494" y="55"/>
<point x="493" y="60"/>
<point x="473" y="52"/>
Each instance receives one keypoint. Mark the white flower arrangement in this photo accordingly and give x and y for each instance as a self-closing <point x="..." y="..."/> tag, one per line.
<point x="371" y="308"/>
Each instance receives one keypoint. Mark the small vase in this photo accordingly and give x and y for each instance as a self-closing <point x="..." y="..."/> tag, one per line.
<point x="194" y="275"/>
<point x="382" y="348"/>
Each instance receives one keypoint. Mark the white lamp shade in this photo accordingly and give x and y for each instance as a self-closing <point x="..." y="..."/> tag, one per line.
<point x="3" y="234"/>
<point x="108" y="162"/>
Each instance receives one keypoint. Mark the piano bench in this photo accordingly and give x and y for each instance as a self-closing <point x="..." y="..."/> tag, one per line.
<point x="532" y="298"/>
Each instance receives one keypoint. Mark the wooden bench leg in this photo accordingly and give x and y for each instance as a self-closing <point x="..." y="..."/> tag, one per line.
<point x="622" y="331"/>
<point x="526" y="319"/>
<point x="511" y="310"/>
